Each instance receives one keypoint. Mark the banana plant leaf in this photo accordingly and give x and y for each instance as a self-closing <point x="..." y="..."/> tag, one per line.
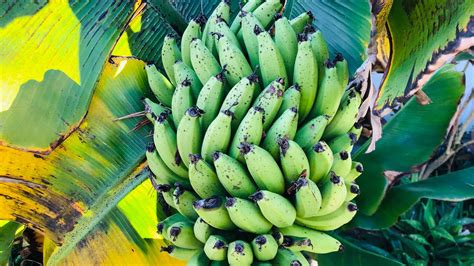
<point x="409" y="138"/>
<point x="455" y="186"/>
<point x="423" y="36"/>
<point x="8" y="232"/>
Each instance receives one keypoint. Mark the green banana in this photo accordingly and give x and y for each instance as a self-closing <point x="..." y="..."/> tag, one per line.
<point x="266" y="11"/>
<point x="307" y="197"/>
<point x="216" y="248"/>
<point x="342" y="163"/>
<point x="298" y="23"/>
<point x="270" y="100"/>
<point x="311" y="132"/>
<point x="239" y="98"/>
<point x="345" y="116"/>
<point x="203" y="61"/>
<point x="250" y="6"/>
<point x="163" y="174"/>
<point x="153" y="110"/>
<point x="210" y="99"/>
<point x="320" y="159"/>
<point x="170" y="53"/>
<point x="189" y="134"/>
<point x="320" y="51"/>
<point x="217" y="137"/>
<point x="306" y="75"/>
<point x="293" y="160"/>
<point x="202" y="230"/>
<point x="159" y="85"/>
<point x="249" y="22"/>
<point x="287" y="257"/>
<point x="183" y="200"/>
<point x="184" y="72"/>
<point x="356" y="129"/>
<point x="296" y="243"/>
<point x="164" y="225"/>
<point x="247" y="216"/>
<point x="356" y="170"/>
<point x="285" y="126"/>
<point x="275" y="208"/>
<point x="214" y="213"/>
<point x="342" y="69"/>
<point x="333" y="193"/>
<point x="179" y="253"/>
<point x="231" y="56"/>
<point x="239" y="253"/>
<point x="333" y="220"/>
<point x="353" y="190"/>
<point x="329" y="93"/>
<point x="291" y="98"/>
<point x="233" y="176"/>
<point x="322" y="243"/>
<point x="199" y="259"/>
<point x="167" y="192"/>
<point x="277" y="236"/>
<point x="264" y="247"/>
<point x="222" y="28"/>
<point x="343" y="142"/>
<point x="164" y="138"/>
<point x="287" y="43"/>
<point x="250" y="130"/>
<point x="182" y="101"/>
<point x="181" y="235"/>
<point x="203" y="178"/>
<point x="270" y="59"/>
<point x="263" y="168"/>
<point x="192" y="31"/>
<point x="223" y="11"/>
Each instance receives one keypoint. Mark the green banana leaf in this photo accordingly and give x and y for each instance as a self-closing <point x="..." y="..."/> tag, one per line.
<point x="8" y="232"/>
<point x="409" y="138"/>
<point x="423" y="36"/>
<point x="455" y="186"/>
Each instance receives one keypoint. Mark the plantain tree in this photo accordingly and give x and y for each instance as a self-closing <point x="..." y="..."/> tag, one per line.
<point x="73" y="171"/>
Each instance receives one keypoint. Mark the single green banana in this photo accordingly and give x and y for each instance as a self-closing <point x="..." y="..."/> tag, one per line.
<point x="166" y="191"/>
<point x="320" y="159"/>
<point x="342" y="164"/>
<point x="264" y="247"/>
<point x="184" y="72"/>
<point x="199" y="259"/>
<point x="285" y="126"/>
<point x="164" y="225"/>
<point x="249" y="22"/>
<point x="298" y="23"/>
<point x="287" y="257"/>
<point x="164" y="138"/>
<point x="223" y="11"/>
<point x="203" y="178"/>
<point x="217" y="137"/>
<point x="307" y="197"/>
<point x="216" y="248"/>
<point x="344" y="142"/>
<point x="287" y="42"/>
<point x="247" y="216"/>
<point x="270" y="59"/>
<point x="183" y="200"/>
<point x="353" y="190"/>
<point x="214" y="213"/>
<point x="296" y="243"/>
<point x="233" y="176"/>
<point x="275" y="208"/>
<point x="159" y="85"/>
<point x="250" y="6"/>
<point x="153" y="110"/>
<point x="322" y="242"/>
<point x="333" y="193"/>
<point x="311" y="132"/>
<point x="239" y="253"/>
<point x="306" y="75"/>
<point x="231" y="56"/>
<point x="210" y="99"/>
<point x="329" y="94"/>
<point x="204" y="63"/>
<point x="239" y="98"/>
<point x="320" y="51"/>
<point x="222" y="28"/>
<point x="179" y="253"/>
<point x="181" y="235"/>
<point x="189" y="134"/>
<point x="293" y="160"/>
<point x="345" y="116"/>
<point x="250" y="130"/>
<point x="202" y="230"/>
<point x="342" y="69"/>
<point x="266" y="11"/>
<point x="263" y="168"/>
<point x="356" y="170"/>
<point x="159" y="169"/>
<point x="331" y="221"/>
<point x="182" y="101"/>
<point x="170" y="53"/>
<point x="277" y="236"/>
<point x="270" y="100"/>
<point x="291" y="98"/>
<point x="356" y="129"/>
<point x="192" y="31"/>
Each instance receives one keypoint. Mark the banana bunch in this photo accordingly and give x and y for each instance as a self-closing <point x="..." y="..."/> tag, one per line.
<point x="252" y="141"/>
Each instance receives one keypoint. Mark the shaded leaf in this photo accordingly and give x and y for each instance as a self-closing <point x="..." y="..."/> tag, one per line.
<point x="8" y="232"/>
<point x="441" y="233"/>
